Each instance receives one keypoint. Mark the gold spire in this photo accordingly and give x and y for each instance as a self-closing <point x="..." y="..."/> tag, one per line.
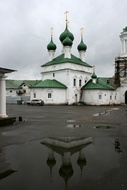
<point x="67" y="18"/>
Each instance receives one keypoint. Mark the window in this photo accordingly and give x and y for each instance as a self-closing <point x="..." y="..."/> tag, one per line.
<point x="53" y="74"/>
<point x="80" y="82"/>
<point x="34" y="95"/>
<point x="10" y="90"/>
<point x="74" y="82"/>
<point x="100" y="96"/>
<point x="110" y="97"/>
<point x="49" y="95"/>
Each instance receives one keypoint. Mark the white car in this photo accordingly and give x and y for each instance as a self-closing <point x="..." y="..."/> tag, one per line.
<point x="38" y="102"/>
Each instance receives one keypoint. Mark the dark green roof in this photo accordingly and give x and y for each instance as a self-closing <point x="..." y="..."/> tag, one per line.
<point x="48" y="83"/>
<point x="102" y="84"/>
<point x="17" y="83"/>
<point x="12" y="84"/>
<point x="60" y="59"/>
<point x="30" y="83"/>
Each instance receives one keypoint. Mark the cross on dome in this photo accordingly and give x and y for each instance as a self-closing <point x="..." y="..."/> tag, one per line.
<point x="51" y="30"/>
<point x="67" y="18"/>
<point x="82" y="31"/>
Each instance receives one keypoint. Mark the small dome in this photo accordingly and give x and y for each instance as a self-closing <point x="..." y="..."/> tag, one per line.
<point x="94" y="76"/>
<point x="125" y="29"/>
<point x="65" y="34"/>
<point x="51" y="45"/>
<point x="82" y="46"/>
<point x="67" y="41"/>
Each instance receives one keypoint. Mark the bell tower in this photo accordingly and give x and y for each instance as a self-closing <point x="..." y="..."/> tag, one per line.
<point x="121" y="61"/>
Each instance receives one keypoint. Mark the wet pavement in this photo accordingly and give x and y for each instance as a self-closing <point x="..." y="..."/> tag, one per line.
<point x="64" y="147"/>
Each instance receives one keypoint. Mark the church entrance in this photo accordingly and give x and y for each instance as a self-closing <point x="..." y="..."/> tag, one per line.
<point x="76" y="99"/>
<point x="126" y="97"/>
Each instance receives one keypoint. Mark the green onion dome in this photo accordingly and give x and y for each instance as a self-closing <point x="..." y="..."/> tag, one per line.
<point x="65" y="34"/>
<point x="94" y="76"/>
<point x="125" y="29"/>
<point x="51" y="45"/>
<point x="67" y="41"/>
<point x="82" y="46"/>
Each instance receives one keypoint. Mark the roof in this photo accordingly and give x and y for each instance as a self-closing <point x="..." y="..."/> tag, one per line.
<point x="101" y="84"/>
<point x="49" y="84"/>
<point x="60" y="59"/>
<point x="12" y="84"/>
<point x="30" y="83"/>
<point x="5" y="70"/>
<point x="17" y="83"/>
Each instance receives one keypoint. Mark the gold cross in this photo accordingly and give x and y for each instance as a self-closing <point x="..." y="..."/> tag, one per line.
<point x="51" y="30"/>
<point x="81" y="31"/>
<point x="66" y="15"/>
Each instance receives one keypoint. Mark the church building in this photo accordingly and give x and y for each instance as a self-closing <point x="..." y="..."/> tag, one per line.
<point x="68" y="79"/>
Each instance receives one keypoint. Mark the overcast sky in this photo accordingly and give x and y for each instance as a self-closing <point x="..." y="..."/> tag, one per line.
<point x="25" y="32"/>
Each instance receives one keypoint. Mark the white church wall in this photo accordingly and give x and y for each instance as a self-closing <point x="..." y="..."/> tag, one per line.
<point x="122" y="91"/>
<point x="98" y="97"/>
<point x="64" y="66"/>
<point x="61" y="72"/>
<point x="50" y="96"/>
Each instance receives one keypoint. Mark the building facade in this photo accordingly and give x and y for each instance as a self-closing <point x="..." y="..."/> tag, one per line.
<point x="67" y="79"/>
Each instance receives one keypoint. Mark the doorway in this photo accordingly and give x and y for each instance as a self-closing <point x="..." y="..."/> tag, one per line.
<point x="126" y="97"/>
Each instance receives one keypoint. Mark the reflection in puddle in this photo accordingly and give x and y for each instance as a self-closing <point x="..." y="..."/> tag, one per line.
<point x="6" y="173"/>
<point x="5" y="167"/>
<point x="66" y="147"/>
<point x="56" y="163"/>
<point x="117" y="146"/>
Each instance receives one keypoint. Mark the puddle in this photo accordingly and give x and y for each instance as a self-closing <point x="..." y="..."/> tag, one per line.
<point x="73" y="126"/>
<point x="105" y="113"/>
<point x="60" y="163"/>
<point x="96" y="114"/>
<point x="103" y="127"/>
<point x="70" y="120"/>
<point x="114" y="108"/>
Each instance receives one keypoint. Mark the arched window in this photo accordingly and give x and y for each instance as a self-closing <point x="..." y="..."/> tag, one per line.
<point x="34" y="95"/>
<point x="86" y="79"/>
<point x="74" y="82"/>
<point x="100" y="95"/>
<point x="80" y="82"/>
<point x="49" y="94"/>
